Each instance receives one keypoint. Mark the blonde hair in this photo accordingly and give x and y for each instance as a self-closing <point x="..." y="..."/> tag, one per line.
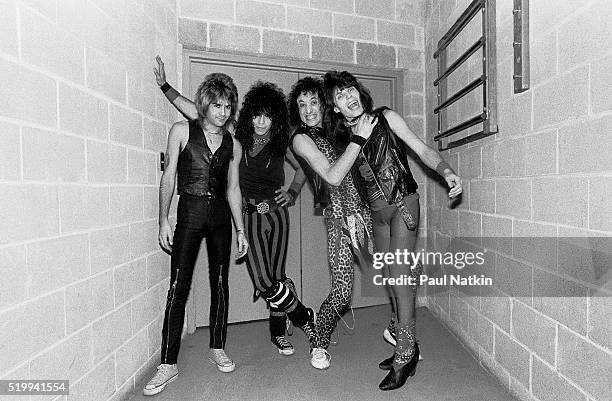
<point x="217" y="86"/>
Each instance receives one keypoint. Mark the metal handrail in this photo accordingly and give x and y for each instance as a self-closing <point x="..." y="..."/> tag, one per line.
<point x="458" y="26"/>
<point x="487" y="79"/>
<point x="467" y="139"/>
<point x="464" y="91"/>
<point x="461" y="126"/>
<point x="473" y="49"/>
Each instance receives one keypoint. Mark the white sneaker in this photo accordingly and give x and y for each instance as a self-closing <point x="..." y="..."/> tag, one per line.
<point x="219" y="357"/>
<point x="164" y="375"/>
<point x="320" y="358"/>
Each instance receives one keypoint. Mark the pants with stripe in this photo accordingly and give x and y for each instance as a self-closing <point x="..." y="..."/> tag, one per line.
<point x="198" y="218"/>
<point x="268" y="236"/>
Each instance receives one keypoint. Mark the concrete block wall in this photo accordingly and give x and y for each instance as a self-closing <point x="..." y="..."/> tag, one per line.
<point x="82" y="123"/>
<point x="547" y="173"/>
<point x="369" y="33"/>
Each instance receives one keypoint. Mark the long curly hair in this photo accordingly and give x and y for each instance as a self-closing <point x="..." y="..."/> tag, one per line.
<point x="308" y="85"/>
<point x="268" y="99"/>
<point x="335" y="120"/>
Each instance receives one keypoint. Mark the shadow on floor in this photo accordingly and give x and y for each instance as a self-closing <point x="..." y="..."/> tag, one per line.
<point x="448" y="372"/>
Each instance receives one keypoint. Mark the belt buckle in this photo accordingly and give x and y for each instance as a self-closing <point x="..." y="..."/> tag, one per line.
<point x="263" y="207"/>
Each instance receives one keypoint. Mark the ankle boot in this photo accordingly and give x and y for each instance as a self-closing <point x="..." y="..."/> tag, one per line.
<point x="396" y="378"/>
<point x="387" y="364"/>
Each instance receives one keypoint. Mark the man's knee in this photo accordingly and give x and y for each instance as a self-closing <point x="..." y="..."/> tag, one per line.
<point x="278" y="295"/>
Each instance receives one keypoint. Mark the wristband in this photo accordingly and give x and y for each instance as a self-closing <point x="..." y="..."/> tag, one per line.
<point x="165" y="87"/>
<point x="292" y="192"/>
<point x="169" y="92"/>
<point x="359" y="140"/>
<point x="443" y="166"/>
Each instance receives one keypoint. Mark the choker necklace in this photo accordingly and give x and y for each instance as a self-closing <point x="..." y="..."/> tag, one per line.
<point x="352" y="122"/>
<point x="259" y="141"/>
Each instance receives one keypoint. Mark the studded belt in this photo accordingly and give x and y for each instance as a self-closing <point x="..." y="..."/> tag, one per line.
<point x="262" y="207"/>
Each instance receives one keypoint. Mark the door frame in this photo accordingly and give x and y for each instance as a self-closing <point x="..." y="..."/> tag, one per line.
<point x="191" y="56"/>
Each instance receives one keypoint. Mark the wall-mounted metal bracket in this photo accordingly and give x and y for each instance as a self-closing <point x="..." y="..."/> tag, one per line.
<point x="521" y="45"/>
<point x="487" y="80"/>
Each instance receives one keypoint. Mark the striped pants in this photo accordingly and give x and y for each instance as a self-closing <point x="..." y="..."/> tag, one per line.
<point x="268" y="235"/>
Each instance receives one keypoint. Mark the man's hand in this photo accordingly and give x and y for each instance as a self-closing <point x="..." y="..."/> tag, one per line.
<point x="284" y="198"/>
<point x="454" y="183"/>
<point x="160" y="72"/>
<point x="365" y="125"/>
<point x="243" y="245"/>
<point x="165" y="236"/>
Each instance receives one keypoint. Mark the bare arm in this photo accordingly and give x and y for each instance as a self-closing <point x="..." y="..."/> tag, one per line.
<point x="178" y="136"/>
<point x="333" y="173"/>
<point x="234" y="198"/>
<point x="299" y="178"/>
<point x="181" y="103"/>
<point x="429" y="156"/>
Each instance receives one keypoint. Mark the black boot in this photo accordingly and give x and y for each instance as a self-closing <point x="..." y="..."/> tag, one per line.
<point x="397" y="378"/>
<point x="308" y="326"/>
<point x="387" y="364"/>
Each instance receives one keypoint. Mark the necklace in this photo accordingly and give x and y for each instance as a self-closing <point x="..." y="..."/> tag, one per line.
<point x="259" y="141"/>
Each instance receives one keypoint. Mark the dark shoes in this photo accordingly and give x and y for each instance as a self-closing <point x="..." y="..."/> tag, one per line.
<point x="309" y="328"/>
<point x="397" y="378"/>
<point x="387" y="364"/>
<point x="283" y="346"/>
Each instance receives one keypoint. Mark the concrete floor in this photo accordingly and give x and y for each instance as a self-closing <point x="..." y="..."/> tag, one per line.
<point x="447" y="373"/>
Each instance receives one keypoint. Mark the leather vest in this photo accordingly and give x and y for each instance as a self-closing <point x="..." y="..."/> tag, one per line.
<point x="386" y="155"/>
<point x="200" y="172"/>
<point x="319" y="187"/>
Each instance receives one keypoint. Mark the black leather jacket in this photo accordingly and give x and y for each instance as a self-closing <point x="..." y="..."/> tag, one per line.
<point x="319" y="186"/>
<point x="387" y="157"/>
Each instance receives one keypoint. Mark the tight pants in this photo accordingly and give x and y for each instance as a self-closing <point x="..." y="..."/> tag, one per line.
<point x="198" y="218"/>
<point x="391" y="234"/>
<point x="341" y="257"/>
<point x="268" y="236"/>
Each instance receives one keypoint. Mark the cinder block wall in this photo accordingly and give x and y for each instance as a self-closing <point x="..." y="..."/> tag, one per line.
<point x="547" y="173"/>
<point x="370" y="33"/>
<point x="82" y="122"/>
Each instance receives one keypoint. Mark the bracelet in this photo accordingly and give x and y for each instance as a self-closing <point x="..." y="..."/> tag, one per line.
<point x="443" y="166"/>
<point x="170" y="93"/>
<point x="292" y="192"/>
<point x="165" y="87"/>
<point x="359" y="140"/>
